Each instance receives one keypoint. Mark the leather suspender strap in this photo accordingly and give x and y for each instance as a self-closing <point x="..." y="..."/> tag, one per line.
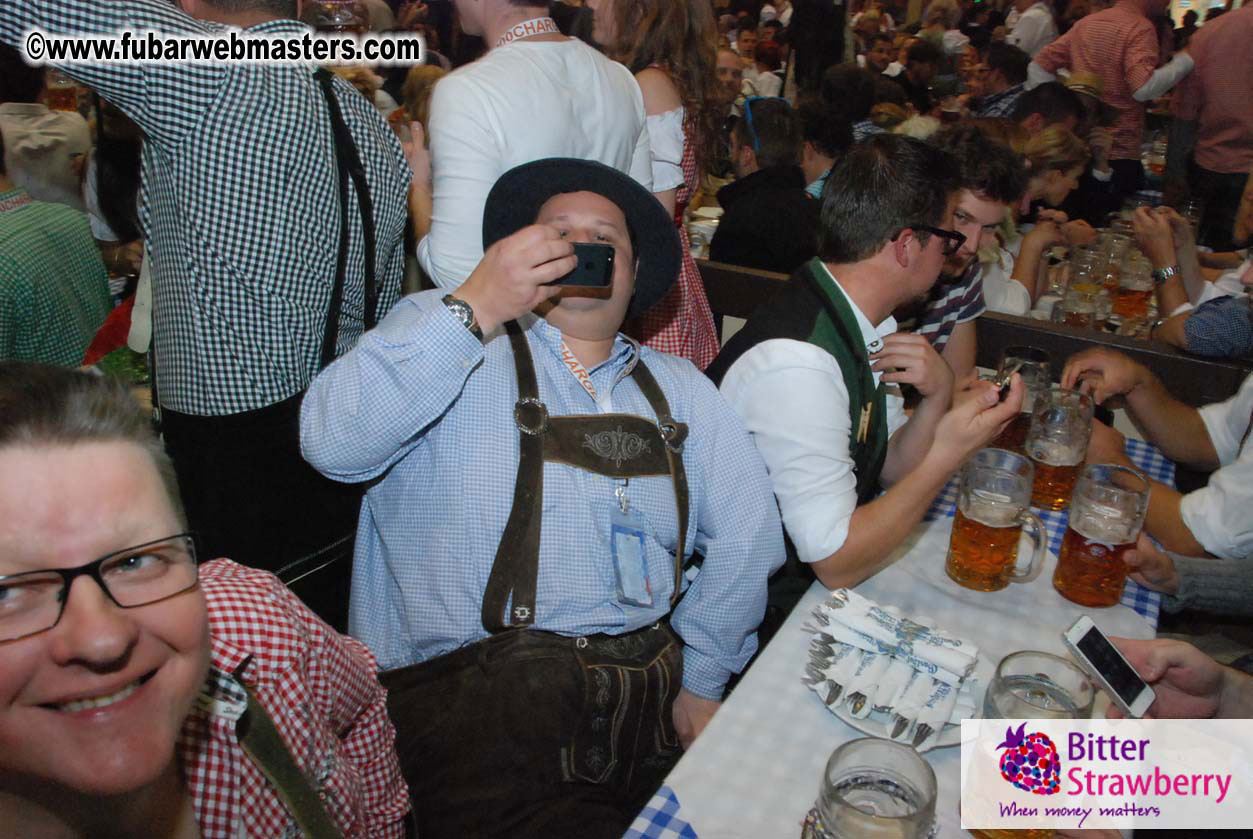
<point x="515" y="570"/>
<point x="673" y="433"/>
<point x="349" y="164"/>
<point x="572" y="440"/>
<point x="262" y="742"/>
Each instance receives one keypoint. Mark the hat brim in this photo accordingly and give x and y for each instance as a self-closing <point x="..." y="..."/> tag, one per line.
<point x="516" y="198"/>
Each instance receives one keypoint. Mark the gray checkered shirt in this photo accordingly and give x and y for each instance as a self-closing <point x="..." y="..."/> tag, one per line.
<point x="239" y="206"/>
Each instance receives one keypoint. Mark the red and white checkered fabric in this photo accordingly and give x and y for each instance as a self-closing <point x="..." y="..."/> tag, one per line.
<point x="682" y="323"/>
<point x="322" y="691"/>
<point x="1216" y="94"/>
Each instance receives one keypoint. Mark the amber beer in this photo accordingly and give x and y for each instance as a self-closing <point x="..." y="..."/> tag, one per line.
<point x="991" y="510"/>
<point x="1061" y="425"/>
<point x="1028" y="833"/>
<point x="981" y="556"/>
<point x="1053" y="484"/>
<point x="61" y="98"/>
<point x="1131" y="302"/>
<point x="1105" y="517"/>
<point x="1014" y="436"/>
<point x="1090" y="572"/>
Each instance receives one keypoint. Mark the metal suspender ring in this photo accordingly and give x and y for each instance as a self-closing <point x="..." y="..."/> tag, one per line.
<point x="672" y="432"/>
<point x="531" y="416"/>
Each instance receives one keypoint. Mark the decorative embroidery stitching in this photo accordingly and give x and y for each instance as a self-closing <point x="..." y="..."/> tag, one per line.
<point x="616" y="445"/>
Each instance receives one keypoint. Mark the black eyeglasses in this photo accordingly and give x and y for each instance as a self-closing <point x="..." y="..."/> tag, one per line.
<point x="952" y="239"/>
<point x="33" y="601"/>
<point x="748" y="116"/>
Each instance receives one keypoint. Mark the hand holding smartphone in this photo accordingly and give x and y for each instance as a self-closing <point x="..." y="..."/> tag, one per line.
<point x="594" y="269"/>
<point x="1096" y="654"/>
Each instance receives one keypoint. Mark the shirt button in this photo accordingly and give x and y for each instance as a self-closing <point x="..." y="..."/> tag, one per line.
<point x="875" y="345"/>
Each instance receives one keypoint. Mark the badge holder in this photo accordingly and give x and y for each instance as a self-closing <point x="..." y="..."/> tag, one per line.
<point x="626" y="540"/>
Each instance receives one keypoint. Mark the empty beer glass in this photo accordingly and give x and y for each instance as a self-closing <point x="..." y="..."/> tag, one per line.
<point x="1057" y="442"/>
<point x="1031" y="685"/>
<point x="991" y="511"/>
<point x="875" y="788"/>
<point x="1033" y="365"/>
<point x="1106" y="514"/>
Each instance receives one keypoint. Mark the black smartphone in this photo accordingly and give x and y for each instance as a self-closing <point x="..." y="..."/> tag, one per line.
<point x="595" y="268"/>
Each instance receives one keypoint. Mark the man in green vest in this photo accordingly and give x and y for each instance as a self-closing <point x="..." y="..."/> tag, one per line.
<point x="816" y="372"/>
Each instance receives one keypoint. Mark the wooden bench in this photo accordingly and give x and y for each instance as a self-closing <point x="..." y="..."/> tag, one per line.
<point x="736" y="292"/>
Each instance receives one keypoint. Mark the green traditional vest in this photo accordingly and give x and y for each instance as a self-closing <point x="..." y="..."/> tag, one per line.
<point x="811" y="308"/>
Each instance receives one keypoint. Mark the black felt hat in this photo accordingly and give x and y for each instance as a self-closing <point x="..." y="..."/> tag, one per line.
<point x="517" y="196"/>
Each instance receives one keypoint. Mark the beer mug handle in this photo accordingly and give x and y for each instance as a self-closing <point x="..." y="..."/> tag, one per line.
<point x="1039" y="538"/>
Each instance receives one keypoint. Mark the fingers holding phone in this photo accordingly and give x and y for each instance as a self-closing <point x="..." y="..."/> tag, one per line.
<point x="516" y="275"/>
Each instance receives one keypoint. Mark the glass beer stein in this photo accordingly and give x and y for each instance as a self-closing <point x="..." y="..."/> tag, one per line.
<point x="1057" y="442"/>
<point x="874" y="789"/>
<point x="1033" y="365"/>
<point x="1106" y="514"/>
<point x="991" y="511"/>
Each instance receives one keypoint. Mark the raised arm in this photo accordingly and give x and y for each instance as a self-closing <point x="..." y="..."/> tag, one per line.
<point x="165" y="99"/>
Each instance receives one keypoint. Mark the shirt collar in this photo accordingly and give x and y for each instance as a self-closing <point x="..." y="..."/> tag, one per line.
<point x="24" y="108"/>
<point x="872" y="336"/>
<point x="624" y="354"/>
<point x="280" y="25"/>
<point x="1009" y="91"/>
<point x="13" y="199"/>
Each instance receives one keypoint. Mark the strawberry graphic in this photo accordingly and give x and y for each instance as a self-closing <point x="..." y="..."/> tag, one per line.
<point x="1030" y="762"/>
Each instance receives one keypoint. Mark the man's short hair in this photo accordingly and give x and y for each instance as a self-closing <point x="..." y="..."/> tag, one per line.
<point x="923" y="52"/>
<point x="988" y="168"/>
<point x="279" y="8"/>
<point x="884" y="184"/>
<point x="880" y="36"/>
<point x="1011" y="61"/>
<point x="776" y="129"/>
<point x="1053" y="101"/>
<point x="849" y="91"/>
<point x="19" y="82"/>
<point x="829" y="134"/>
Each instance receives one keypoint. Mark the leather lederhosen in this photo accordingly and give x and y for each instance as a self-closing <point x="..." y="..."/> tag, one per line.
<point x="537" y="734"/>
<point x="614" y="445"/>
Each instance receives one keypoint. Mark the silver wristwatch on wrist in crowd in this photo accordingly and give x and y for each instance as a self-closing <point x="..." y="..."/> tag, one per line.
<point x="465" y="314"/>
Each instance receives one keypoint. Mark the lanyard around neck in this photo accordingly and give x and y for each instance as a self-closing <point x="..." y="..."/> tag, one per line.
<point x="528" y="29"/>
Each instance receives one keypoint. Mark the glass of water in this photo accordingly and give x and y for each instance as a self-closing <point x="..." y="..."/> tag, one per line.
<point x="1032" y="685"/>
<point x="877" y="788"/>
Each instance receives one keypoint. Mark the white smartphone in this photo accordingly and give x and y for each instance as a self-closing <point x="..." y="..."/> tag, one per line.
<point x="1106" y="664"/>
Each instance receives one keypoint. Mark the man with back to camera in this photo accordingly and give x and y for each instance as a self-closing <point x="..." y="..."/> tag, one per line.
<point x="1119" y="45"/>
<point x="538" y="490"/>
<point x="240" y="213"/>
<point x="535" y="94"/>
<point x="47" y="149"/>
<point x="768" y="222"/>
<point x="815" y="372"/>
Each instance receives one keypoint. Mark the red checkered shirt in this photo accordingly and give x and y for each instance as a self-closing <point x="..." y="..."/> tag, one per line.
<point x="1119" y="45"/>
<point x="323" y="694"/>
<point x="1216" y="94"/>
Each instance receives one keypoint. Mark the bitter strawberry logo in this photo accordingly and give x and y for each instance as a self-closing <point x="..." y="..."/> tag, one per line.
<point x="1030" y="762"/>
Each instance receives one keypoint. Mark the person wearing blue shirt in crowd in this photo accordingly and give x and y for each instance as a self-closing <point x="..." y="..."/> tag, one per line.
<point x="540" y="484"/>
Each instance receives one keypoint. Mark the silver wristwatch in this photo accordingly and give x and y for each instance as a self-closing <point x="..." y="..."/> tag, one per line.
<point x="1161" y="275"/>
<point x="465" y="314"/>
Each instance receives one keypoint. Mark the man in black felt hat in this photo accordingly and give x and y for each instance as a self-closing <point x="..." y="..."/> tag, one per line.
<point x="542" y="483"/>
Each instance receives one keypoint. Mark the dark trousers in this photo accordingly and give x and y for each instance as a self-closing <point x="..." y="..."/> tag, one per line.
<point x="1094" y="200"/>
<point x="530" y="734"/>
<point x="251" y="497"/>
<point x="1221" y="195"/>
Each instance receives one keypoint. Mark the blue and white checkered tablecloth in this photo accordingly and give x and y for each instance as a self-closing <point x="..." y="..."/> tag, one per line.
<point x="1147" y="457"/>
<point x="660" y="819"/>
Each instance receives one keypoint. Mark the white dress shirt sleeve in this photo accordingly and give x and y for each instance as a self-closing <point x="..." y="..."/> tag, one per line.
<point x="1218" y="514"/>
<point x="792" y="399"/>
<point x="665" y="136"/>
<point x="1033" y="32"/>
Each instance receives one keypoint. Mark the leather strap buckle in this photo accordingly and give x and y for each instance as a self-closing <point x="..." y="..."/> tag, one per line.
<point x="673" y="433"/>
<point x="531" y="416"/>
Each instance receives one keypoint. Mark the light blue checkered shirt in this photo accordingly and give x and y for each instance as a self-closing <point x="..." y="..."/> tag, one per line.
<point x="422" y="403"/>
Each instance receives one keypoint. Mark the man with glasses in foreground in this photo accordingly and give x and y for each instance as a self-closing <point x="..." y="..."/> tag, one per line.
<point x="768" y="221"/>
<point x="140" y="695"/>
<point x="816" y="372"/>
